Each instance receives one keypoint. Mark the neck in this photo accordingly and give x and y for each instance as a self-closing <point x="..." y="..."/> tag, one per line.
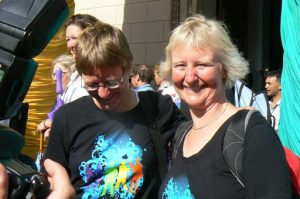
<point x="132" y="100"/>
<point x="210" y="116"/>
<point x="276" y="98"/>
<point x="141" y="84"/>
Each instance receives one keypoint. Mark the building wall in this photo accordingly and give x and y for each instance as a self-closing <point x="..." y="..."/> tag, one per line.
<point x="146" y="24"/>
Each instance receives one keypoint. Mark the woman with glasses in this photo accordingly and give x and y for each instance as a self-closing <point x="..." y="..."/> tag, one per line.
<point x="202" y="62"/>
<point x="66" y="65"/>
<point x="105" y="141"/>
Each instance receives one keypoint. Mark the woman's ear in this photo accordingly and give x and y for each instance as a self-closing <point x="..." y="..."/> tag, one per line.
<point x="138" y="77"/>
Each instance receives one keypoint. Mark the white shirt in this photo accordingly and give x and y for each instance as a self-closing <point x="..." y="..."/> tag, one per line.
<point x="74" y="89"/>
<point x="275" y="115"/>
<point x="167" y="89"/>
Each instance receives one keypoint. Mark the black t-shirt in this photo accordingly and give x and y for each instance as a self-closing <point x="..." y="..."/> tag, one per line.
<point x="206" y="175"/>
<point x="107" y="154"/>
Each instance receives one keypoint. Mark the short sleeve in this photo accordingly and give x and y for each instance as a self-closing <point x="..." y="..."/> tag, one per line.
<point x="57" y="143"/>
<point x="266" y="171"/>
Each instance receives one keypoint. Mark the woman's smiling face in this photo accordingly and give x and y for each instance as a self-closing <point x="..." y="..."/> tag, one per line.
<point x="197" y="76"/>
<point x="72" y="34"/>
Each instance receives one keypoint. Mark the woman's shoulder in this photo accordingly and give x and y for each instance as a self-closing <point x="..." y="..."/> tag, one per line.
<point x="78" y="105"/>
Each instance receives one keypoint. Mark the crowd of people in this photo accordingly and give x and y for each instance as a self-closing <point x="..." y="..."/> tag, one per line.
<point x="107" y="138"/>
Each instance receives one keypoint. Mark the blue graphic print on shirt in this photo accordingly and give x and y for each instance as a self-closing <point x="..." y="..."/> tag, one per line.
<point x="177" y="188"/>
<point x="115" y="168"/>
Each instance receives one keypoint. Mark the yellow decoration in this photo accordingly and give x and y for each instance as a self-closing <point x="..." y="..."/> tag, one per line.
<point x="41" y="95"/>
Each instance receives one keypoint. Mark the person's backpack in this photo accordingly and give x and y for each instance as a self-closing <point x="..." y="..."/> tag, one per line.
<point x="233" y="143"/>
<point x="244" y="96"/>
<point x="233" y="147"/>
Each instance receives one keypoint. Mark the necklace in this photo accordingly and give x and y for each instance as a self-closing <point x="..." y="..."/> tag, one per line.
<point x="216" y="119"/>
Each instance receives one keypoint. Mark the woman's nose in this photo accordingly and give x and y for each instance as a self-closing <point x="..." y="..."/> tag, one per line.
<point x="70" y="43"/>
<point x="191" y="74"/>
<point x="103" y="92"/>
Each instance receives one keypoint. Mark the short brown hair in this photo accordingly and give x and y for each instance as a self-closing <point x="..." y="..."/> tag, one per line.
<point x="144" y="71"/>
<point x="102" y="46"/>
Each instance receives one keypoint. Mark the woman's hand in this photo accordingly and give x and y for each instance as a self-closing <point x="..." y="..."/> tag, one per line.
<point x="44" y="127"/>
<point x="3" y="183"/>
<point x="59" y="179"/>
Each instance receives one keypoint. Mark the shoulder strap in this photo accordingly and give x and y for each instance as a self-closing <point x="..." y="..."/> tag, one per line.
<point x="240" y="93"/>
<point x="179" y="135"/>
<point x="151" y="98"/>
<point x="233" y="144"/>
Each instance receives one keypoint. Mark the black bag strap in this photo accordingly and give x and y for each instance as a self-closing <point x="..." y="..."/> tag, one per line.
<point x="268" y="107"/>
<point x="233" y="143"/>
<point x="240" y="92"/>
<point x="151" y="98"/>
<point x="179" y="135"/>
<point x="160" y="151"/>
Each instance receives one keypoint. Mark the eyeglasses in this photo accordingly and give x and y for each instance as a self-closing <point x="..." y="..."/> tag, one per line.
<point x="112" y="84"/>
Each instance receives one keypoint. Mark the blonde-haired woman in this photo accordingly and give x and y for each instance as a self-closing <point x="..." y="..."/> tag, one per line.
<point x="66" y="64"/>
<point x="203" y="61"/>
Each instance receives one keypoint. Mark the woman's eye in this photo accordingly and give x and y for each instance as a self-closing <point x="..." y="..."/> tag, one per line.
<point x="180" y="66"/>
<point x="204" y="65"/>
<point x="201" y="66"/>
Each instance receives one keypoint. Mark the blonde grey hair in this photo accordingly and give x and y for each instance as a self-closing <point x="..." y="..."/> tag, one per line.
<point x="164" y="70"/>
<point x="201" y="32"/>
<point x="67" y="61"/>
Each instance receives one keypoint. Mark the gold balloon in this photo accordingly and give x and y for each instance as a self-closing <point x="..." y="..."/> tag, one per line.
<point x="41" y="94"/>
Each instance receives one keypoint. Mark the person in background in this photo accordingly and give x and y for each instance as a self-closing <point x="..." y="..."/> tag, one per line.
<point x="160" y="72"/>
<point x="273" y="89"/>
<point x="74" y="26"/>
<point x="103" y="141"/>
<point x="141" y="76"/>
<point x="66" y="64"/>
<point x="159" y="81"/>
<point x="203" y="61"/>
<point x="73" y="88"/>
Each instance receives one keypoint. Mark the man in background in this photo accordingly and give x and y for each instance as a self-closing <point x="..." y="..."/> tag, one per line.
<point x="273" y="89"/>
<point x="141" y="76"/>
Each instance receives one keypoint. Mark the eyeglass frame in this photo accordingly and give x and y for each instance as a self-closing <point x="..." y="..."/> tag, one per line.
<point x="95" y="87"/>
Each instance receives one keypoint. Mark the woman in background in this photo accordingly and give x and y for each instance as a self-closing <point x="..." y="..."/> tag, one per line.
<point x="66" y="64"/>
<point x="75" y="86"/>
